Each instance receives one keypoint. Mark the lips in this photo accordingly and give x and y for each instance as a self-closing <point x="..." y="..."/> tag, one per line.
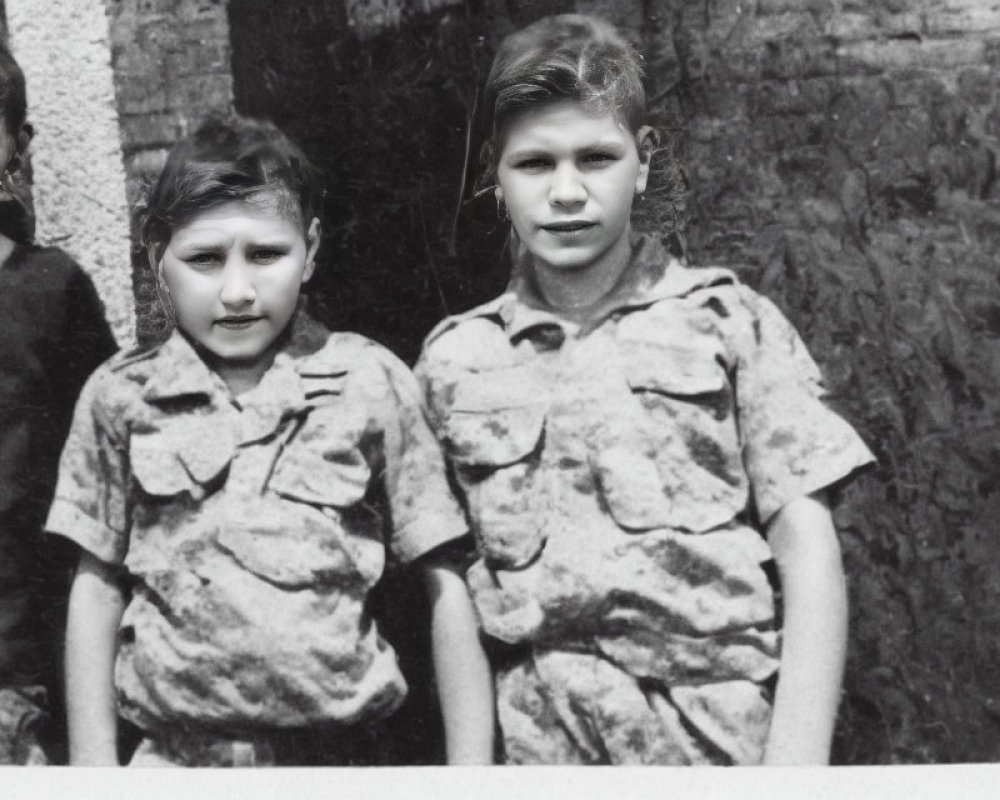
<point x="237" y="323"/>
<point x="568" y="228"/>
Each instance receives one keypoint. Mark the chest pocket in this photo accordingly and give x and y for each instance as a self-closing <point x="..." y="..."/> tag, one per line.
<point x="493" y="435"/>
<point x="182" y="457"/>
<point x="326" y="534"/>
<point x="688" y="442"/>
<point x="175" y="467"/>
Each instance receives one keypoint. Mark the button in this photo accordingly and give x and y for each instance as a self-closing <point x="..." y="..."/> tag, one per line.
<point x="549" y="337"/>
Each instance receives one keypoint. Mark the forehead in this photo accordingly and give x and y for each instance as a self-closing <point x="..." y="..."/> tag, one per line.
<point x="271" y="207"/>
<point x="564" y="123"/>
<point x="268" y="212"/>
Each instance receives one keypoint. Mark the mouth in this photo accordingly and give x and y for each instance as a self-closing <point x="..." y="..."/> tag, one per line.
<point x="237" y="322"/>
<point x="568" y="227"/>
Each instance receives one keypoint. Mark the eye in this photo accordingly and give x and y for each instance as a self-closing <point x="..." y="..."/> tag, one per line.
<point x="203" y="260"/>
<point x="534" y="164"/>
<point x="599" y="158"/>
<point x="267" y="255"/>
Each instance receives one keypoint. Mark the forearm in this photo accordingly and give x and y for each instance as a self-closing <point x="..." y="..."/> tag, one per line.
<point x="814" y="640"/>
<point x="464" y="681"/>
<point x="96" y="604"/>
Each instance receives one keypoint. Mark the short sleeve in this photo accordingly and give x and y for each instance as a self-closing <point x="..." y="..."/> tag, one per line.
<point x="90" y="498"/>
<point x="793" y="443"/>
<point x="424" y="510"/>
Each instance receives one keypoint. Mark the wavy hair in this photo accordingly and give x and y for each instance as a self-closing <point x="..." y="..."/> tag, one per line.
<point x="227" y="159"/>
<point x="561" y="57"/>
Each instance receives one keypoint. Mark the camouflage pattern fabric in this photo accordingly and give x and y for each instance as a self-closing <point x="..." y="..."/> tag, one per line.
<point x="23" y="720"/>
<point x="617" y="477"/>
<point x="251" y="531"/>
<point x="560" y="707"/>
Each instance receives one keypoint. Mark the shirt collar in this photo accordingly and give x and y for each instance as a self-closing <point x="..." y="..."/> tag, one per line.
<point x="304" y="364"/>
<point x="651" y="274"/>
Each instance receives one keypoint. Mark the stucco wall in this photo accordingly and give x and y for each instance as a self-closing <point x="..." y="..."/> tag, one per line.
<point x="79" y="179"/>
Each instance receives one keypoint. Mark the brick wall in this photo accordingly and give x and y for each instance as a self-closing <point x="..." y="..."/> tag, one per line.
<point x="172" y="68"/>
<point x="842" y="157"/>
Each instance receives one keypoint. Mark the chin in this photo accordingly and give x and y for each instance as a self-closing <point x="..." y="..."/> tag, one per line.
<point x="568" y="263"/>
<point x="245" y="355"/>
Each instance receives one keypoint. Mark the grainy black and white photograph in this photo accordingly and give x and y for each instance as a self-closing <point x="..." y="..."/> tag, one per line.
<point x="417" y="383"/>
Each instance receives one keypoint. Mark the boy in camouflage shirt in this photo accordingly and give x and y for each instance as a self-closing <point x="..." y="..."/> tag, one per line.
<point x="634" y="442"/>
<point x="233" y="492"/>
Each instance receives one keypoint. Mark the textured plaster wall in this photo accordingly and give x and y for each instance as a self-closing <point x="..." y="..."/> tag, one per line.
<point x="79" y="189"/>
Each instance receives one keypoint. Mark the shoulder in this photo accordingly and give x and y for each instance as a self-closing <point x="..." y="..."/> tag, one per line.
<point x="369" y="369"/>
<point x="52" y="260"/>
<point x="125" y="374"/>
<point x="737" y="307"/>
<point x="471" y="338"/>
<point x="346" y="351"/>
<point x="113" y="392"/>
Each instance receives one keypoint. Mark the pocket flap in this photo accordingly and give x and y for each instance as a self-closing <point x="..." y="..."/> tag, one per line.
<point x="494" y="438"/>
<point x="322" y="476"/>
<point x="309" y="552"/>
<point x="671" y="370"/>
<point x="157" y="467"/>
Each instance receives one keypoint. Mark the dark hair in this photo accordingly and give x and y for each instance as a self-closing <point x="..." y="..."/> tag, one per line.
<point x="562" y="57"/>
<point x="227" y="159"/>
<point x="13" y="95"/>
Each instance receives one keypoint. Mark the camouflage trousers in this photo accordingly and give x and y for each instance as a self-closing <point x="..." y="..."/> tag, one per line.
<point x="559" y="707"/>
<point x="298" y="747"/>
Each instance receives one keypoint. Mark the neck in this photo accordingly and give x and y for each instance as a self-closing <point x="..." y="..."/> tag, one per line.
<point x="572" y="292"/>
<point x="240" y="378"/>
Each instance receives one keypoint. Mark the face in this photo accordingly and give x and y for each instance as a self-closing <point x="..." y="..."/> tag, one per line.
<point x="234" y="273"/>
<point x="568" y="175"/>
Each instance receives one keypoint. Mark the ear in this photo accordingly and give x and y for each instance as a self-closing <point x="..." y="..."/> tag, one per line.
<point x="646" y="139"/>
<point x="21" y="143"/>
<point x="313" y="236"/>
<point x="24" y="137"/>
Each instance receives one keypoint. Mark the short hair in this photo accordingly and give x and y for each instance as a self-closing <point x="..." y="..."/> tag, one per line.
<point x="13" y="95"/>
<point x="227" y="159"/>
<point x="562" y="57"/>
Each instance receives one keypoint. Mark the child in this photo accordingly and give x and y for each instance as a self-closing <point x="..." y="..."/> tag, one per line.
<point x="52" y="336"/>
<point x="634" y="442"/>
<point x="233" y="491"/>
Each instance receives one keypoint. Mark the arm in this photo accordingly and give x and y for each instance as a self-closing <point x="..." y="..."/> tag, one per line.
<point x="814" y="646"/>
<point x="464" y="682"/>
<point x="96" y="604"/>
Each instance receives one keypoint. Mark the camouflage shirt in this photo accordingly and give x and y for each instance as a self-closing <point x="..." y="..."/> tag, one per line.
<point x="618" y="474"/>
<point x="252" y="530"/>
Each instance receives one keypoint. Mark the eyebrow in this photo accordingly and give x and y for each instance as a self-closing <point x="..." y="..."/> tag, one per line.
<point x="602" y="144"/>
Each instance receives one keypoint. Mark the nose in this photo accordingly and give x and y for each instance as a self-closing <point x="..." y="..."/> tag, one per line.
<point x="567" y="188"/>
<point x="237" y="287"/>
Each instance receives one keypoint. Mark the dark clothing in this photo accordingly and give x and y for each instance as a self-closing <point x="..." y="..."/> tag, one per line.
<point x="52" y="335"/>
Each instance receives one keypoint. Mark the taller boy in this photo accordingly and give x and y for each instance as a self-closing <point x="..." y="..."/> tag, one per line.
<point x="623" y="431"/>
